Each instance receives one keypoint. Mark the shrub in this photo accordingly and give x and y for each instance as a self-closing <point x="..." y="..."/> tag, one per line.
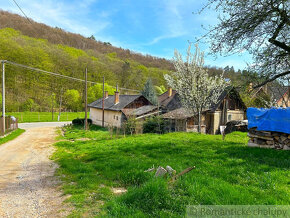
<point x="81" y="121"/>
<point x="155" y="125"/>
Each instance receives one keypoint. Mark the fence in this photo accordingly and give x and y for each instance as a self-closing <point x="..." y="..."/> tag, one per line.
<point x="11" y="123"/>
<point x="27" y="117"/>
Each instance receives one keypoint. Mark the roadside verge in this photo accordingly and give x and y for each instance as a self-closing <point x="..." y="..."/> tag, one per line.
<point x="11" y="136"/>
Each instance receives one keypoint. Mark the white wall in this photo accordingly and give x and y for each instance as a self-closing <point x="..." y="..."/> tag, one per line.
<point x="111" y="117"/>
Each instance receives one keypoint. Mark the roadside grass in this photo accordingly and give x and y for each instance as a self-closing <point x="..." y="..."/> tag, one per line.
<point x="26" y="117"/>
<point x="11" y="136"/>
<point x="227" y="173"/>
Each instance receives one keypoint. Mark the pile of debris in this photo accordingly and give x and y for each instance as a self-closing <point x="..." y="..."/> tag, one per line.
<point x="168" y="171"/>
<point x="236" y="125"/>
<point x="267" y="139"/>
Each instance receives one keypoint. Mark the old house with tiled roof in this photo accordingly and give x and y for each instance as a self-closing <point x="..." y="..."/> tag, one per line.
<point x="228" y="107"/>
<point x="278" y="95"/>
<point x="117" y="108"/>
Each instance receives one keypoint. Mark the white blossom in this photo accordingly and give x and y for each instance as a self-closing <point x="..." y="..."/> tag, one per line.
<point x="197" y="90"/>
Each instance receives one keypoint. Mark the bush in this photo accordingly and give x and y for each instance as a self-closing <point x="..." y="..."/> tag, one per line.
<point x="155" y="125"/>
<point x="81" y="121"/>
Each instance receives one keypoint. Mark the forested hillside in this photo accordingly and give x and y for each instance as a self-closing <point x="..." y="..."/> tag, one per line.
<point x="25" y="86"/>
<point x="53" y="49"/>
<point x="59" y="36"/>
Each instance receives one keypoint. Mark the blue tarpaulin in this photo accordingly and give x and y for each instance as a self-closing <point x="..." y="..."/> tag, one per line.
<point x="274" y="119"/>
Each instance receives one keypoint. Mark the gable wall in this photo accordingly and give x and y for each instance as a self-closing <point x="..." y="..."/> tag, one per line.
<point x="139" y="102"/>
<point x="285" y="101"/>
<point x="214" y="119"/>
<point x="113" y="118"/>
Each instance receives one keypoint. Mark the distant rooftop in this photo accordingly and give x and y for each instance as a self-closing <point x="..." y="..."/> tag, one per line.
<point x="109" y="102"/>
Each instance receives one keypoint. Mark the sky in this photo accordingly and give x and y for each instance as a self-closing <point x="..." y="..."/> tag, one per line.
<point x="154" y="27"/>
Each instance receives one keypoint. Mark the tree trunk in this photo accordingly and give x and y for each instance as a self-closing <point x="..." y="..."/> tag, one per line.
<point x="199" y="122"/>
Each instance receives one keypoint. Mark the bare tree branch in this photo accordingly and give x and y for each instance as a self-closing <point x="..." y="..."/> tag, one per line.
<point x="272" y="79"/>
<point x="280" y="44"/>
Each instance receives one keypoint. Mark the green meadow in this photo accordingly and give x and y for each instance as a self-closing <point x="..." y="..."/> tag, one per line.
<point x="227" y="173"/>
<point x="27" y="117"/>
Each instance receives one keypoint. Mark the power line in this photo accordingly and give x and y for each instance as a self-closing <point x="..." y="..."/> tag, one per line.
<point x="22" y="11"/>
<point x="59" y="75"/>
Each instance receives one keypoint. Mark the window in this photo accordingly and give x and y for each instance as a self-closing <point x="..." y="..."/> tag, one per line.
<point x="229" y="117"/>
<point x="117" y="117"/>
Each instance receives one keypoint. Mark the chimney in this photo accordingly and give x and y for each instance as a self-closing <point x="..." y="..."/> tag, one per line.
<point x="250" y="87"/>
<point x="266" y="89"/>
<point x="106" y="94"/>
<point x="116" y="97"/>
<point x="169" y="91"/>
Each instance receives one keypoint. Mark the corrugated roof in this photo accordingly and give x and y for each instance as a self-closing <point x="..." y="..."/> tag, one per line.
<point x="180" y="113"/>
<point x="109" y="102"/>
<point x="142" y="110"/>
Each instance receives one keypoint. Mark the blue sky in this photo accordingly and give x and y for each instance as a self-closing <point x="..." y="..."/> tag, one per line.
<point x="154" y="27"/>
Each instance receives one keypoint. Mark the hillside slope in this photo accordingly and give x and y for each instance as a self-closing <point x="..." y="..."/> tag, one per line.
<point x="59" y="36"/>
<point x="23" y="84"/>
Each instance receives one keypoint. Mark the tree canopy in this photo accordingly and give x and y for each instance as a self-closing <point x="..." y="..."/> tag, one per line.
<point x="258" y="26"/>
<point x="149" y="92"/>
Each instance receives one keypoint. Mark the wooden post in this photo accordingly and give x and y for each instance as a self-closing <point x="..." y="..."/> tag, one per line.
<point x="52" y="106"/>
<point x="60" y="101"/>
<point x="103" y="103"/>
<point x="3" y="96"/>
<point x="86" y="99"/>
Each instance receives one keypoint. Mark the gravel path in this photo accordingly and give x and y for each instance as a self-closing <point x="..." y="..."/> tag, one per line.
<point x="28" y="187"/>
<point x="42" y="124"/>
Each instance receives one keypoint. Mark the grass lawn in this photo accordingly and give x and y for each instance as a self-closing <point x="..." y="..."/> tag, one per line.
<point x="26" y="117"/>
<point x="227" y="172"/>
<point x="11" y="136"/>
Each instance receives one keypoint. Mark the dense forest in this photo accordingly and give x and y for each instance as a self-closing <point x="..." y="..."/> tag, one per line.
<point x="53" y="49"/>
<point x="59" y="36"/>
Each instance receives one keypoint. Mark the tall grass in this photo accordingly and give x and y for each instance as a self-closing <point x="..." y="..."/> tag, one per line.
<point x="227" y="172"/>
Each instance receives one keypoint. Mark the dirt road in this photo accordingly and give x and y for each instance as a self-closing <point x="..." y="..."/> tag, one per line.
<point x="28" y="187"/>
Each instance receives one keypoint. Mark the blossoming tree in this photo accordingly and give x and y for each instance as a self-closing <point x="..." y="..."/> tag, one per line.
<point x="197" y="90"/>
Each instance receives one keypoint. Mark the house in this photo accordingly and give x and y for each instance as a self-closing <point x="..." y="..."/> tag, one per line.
<point x="281" y="95"/>
<point x="169" y="101"/>
<point x="117" y="109"/>
<point x="277" y="94"/>
<point x="228" y="107"/>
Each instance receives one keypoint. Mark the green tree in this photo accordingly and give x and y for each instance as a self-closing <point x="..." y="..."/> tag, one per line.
<point x="95" y="92"/>
<point x="149" y="92"/>
<point x="197" y="90"/>
<point x="160" y="89"/>
<point x="29" y="105"/>
<point x="72" y="99"/>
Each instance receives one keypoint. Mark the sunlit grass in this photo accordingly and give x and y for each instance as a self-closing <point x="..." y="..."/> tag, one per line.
<point x="11" y="136"/>
<point x="227" y="172"/>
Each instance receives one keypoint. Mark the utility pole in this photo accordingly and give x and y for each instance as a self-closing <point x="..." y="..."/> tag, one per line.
<point x="103" y="103"/>
<point x="86" y="99"/>
<point x="52" y="98"/>
<point x="3" y="96"/>
<point x="60" y="101"/>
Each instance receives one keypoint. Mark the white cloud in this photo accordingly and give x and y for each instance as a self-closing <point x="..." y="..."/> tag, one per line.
<point x="71" y="16"/>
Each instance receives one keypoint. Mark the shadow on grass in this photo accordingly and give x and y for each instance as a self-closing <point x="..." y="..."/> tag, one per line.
<point x="259" y="156"/>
